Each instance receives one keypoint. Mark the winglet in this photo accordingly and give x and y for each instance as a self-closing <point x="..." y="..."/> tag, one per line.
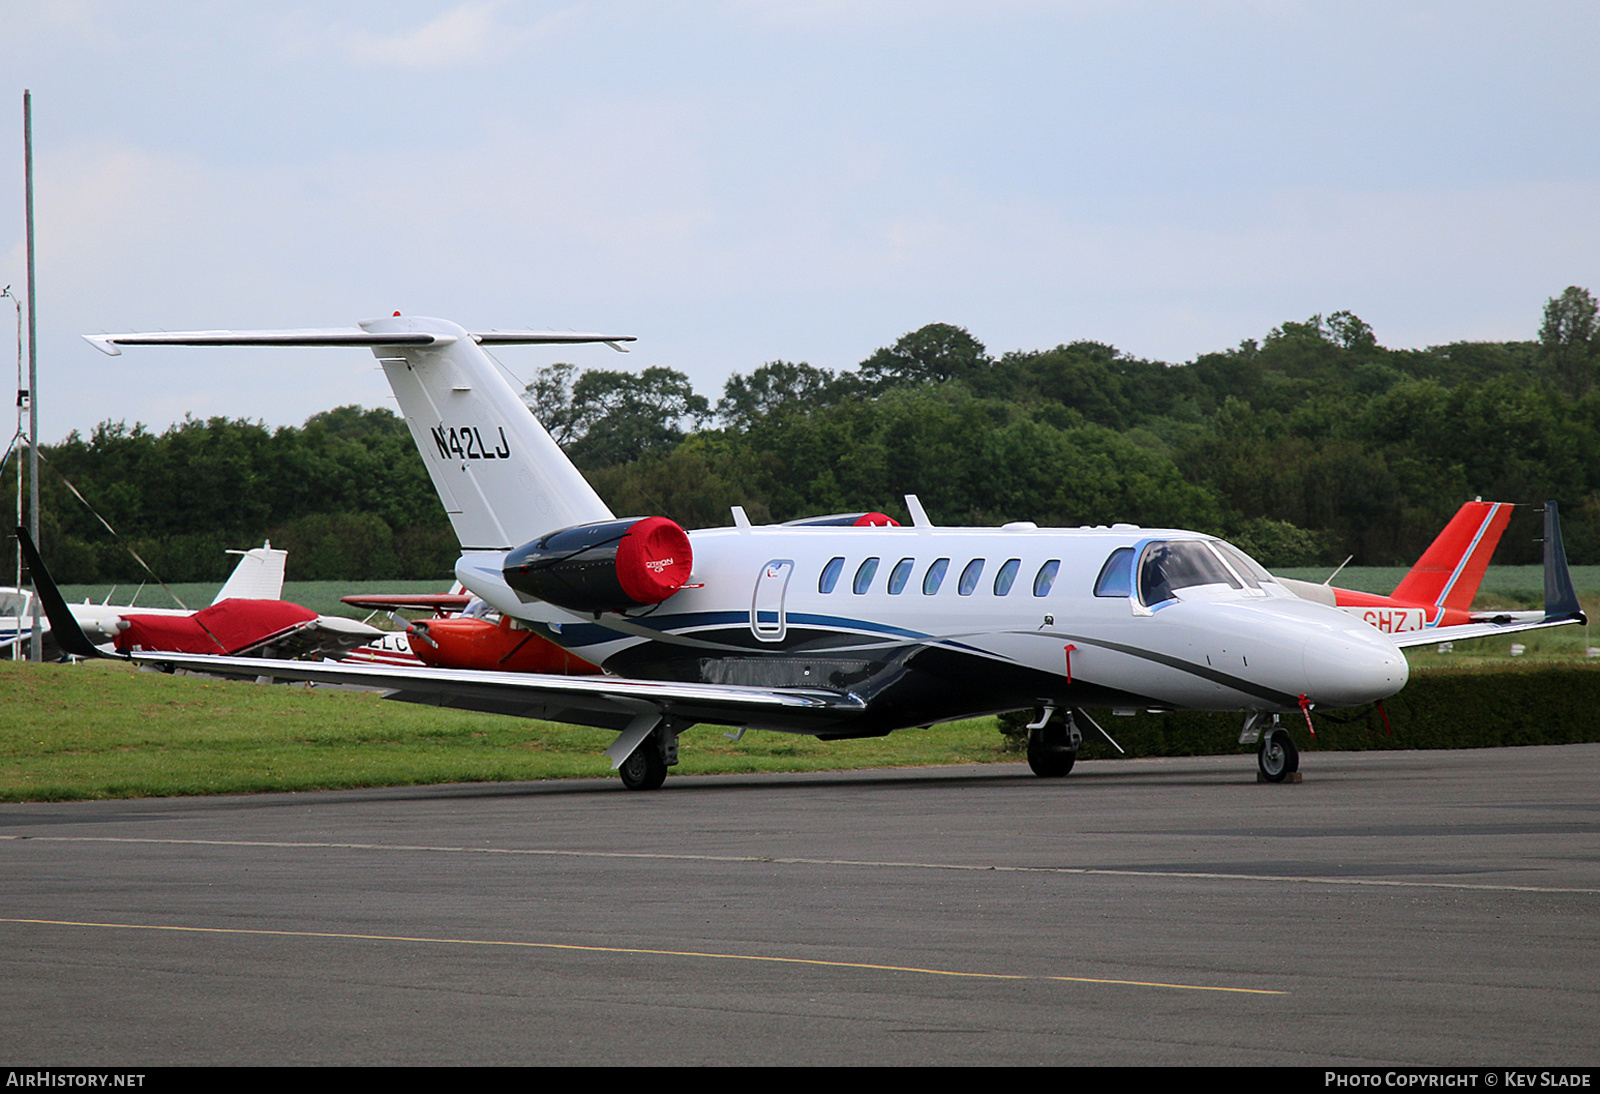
<point x="1560" y="598"/>
<point x="63" y="627"/>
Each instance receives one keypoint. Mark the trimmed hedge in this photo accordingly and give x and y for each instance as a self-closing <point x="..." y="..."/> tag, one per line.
<point x="1489" y="707"/>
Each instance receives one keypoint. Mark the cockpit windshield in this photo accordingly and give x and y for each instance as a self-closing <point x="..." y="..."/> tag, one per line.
<point x="1166" y="567"/>
<point x="1254" y="574"/>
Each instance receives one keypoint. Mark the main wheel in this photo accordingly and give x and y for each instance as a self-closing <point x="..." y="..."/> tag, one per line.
<point x="645" y="769"/>
<point x="1278" y="757"/>
<point x="1048" y="754"/>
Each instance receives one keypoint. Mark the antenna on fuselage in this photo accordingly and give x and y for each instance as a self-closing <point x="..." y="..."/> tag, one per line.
<point x="919" y="516"/>
<point x="1329" y="579"/>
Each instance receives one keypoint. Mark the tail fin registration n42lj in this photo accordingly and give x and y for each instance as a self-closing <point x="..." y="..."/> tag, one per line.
<point x="833" y="630"/>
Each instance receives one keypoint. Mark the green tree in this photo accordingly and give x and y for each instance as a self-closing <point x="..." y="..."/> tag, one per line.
<point x="605" y="417"/>
<point x="779" y="386"/>
<point x="1567" y="339"/>
<point x="931" y="354"/>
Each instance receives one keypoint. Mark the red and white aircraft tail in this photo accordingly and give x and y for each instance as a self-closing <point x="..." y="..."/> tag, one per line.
<point x="1451" y="569"/>
<point x="1438" y="591"/>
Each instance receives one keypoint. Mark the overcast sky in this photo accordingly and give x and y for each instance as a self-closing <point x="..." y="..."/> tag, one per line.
<point x="736" y="182"/>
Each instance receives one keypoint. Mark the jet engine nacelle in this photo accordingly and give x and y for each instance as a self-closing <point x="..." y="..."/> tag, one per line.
<point x="607" y="566"/>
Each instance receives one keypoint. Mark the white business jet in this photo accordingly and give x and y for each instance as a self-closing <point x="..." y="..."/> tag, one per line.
<point x="837" y="627"/>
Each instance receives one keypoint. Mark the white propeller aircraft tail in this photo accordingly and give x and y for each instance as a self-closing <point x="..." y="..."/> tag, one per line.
<point x="834" y="627"/>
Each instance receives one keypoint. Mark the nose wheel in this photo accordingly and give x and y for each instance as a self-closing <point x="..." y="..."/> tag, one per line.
<point x="1278" y="758"/>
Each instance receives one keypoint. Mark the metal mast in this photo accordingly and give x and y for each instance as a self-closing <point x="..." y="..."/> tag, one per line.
<point x="36" y="646"/>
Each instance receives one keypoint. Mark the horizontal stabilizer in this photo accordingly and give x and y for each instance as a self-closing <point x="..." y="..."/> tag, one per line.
<point x="343" y="336"/>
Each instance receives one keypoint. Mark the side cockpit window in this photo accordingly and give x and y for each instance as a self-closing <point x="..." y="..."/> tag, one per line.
<point x="1116" y="576"/>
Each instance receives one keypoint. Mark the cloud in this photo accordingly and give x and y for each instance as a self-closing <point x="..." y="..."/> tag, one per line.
<point x="467" y="34"/>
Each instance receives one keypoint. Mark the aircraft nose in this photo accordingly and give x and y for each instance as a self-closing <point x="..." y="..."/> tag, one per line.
<point x="1346" y="669"/>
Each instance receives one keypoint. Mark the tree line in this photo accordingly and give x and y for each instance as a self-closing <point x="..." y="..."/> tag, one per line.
<point x="1308" y="445"/>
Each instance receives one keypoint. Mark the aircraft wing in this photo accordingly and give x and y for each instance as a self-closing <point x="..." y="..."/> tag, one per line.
<point x="409" y="602"/>
<point x="324" y="636"/>
<point x="608" y="702"/>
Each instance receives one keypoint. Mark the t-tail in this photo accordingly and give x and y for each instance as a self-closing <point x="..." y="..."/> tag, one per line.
<point x="258" y="576"/>
<point x="501" y="477"/>
<point x="1451" y="569"/>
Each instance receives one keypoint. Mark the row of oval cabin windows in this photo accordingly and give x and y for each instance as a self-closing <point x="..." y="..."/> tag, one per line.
<point x="1165" y="569"/>
<point x="933" y="577"/>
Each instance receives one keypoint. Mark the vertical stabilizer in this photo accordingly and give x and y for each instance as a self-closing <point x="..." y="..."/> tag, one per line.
<point x="502" y="479"/>
<point x="1560" y="598"/>
<point x="259" y="575"/>
<point x="1451" y="569"/>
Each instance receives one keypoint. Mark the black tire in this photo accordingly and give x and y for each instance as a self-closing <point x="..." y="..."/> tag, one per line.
<point x="1048" y="754"/>
<point x="645" y="769"/>
<point x="1278" y="758"/>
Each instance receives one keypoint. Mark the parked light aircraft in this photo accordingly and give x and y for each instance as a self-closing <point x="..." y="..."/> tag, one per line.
<point x="1439" y="589"/>
<point x="394" y="647"/>
<point x="247" y="617"/>
<point x="472" y="636"/>
<point x="822" y="629"/>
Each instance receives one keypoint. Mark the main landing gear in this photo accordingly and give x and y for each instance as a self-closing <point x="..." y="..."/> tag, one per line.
<point x="646" y="766"/>
<point x="1053" y="741"/>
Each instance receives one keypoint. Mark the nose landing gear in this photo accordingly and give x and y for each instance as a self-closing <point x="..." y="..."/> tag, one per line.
<point x="1277" y="758"/>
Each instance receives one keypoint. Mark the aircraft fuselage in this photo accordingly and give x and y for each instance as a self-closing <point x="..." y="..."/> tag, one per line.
<point x="929" y="624"/>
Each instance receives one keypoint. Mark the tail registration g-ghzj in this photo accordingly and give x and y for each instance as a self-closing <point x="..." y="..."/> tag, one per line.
<point x="837" y="627"/>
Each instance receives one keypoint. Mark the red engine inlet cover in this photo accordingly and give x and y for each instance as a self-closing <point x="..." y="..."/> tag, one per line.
<point x="654" y="560"/>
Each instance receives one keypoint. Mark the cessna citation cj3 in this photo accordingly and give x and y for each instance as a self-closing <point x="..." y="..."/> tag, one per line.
<point x="827" y="627"/>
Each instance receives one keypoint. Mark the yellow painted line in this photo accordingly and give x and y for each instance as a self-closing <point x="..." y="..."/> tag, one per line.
<point x="671" y="856"/>
<point x="636" y="951"/>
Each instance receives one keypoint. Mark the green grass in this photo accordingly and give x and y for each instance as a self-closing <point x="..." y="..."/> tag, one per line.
<point x="104" y="730"/>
